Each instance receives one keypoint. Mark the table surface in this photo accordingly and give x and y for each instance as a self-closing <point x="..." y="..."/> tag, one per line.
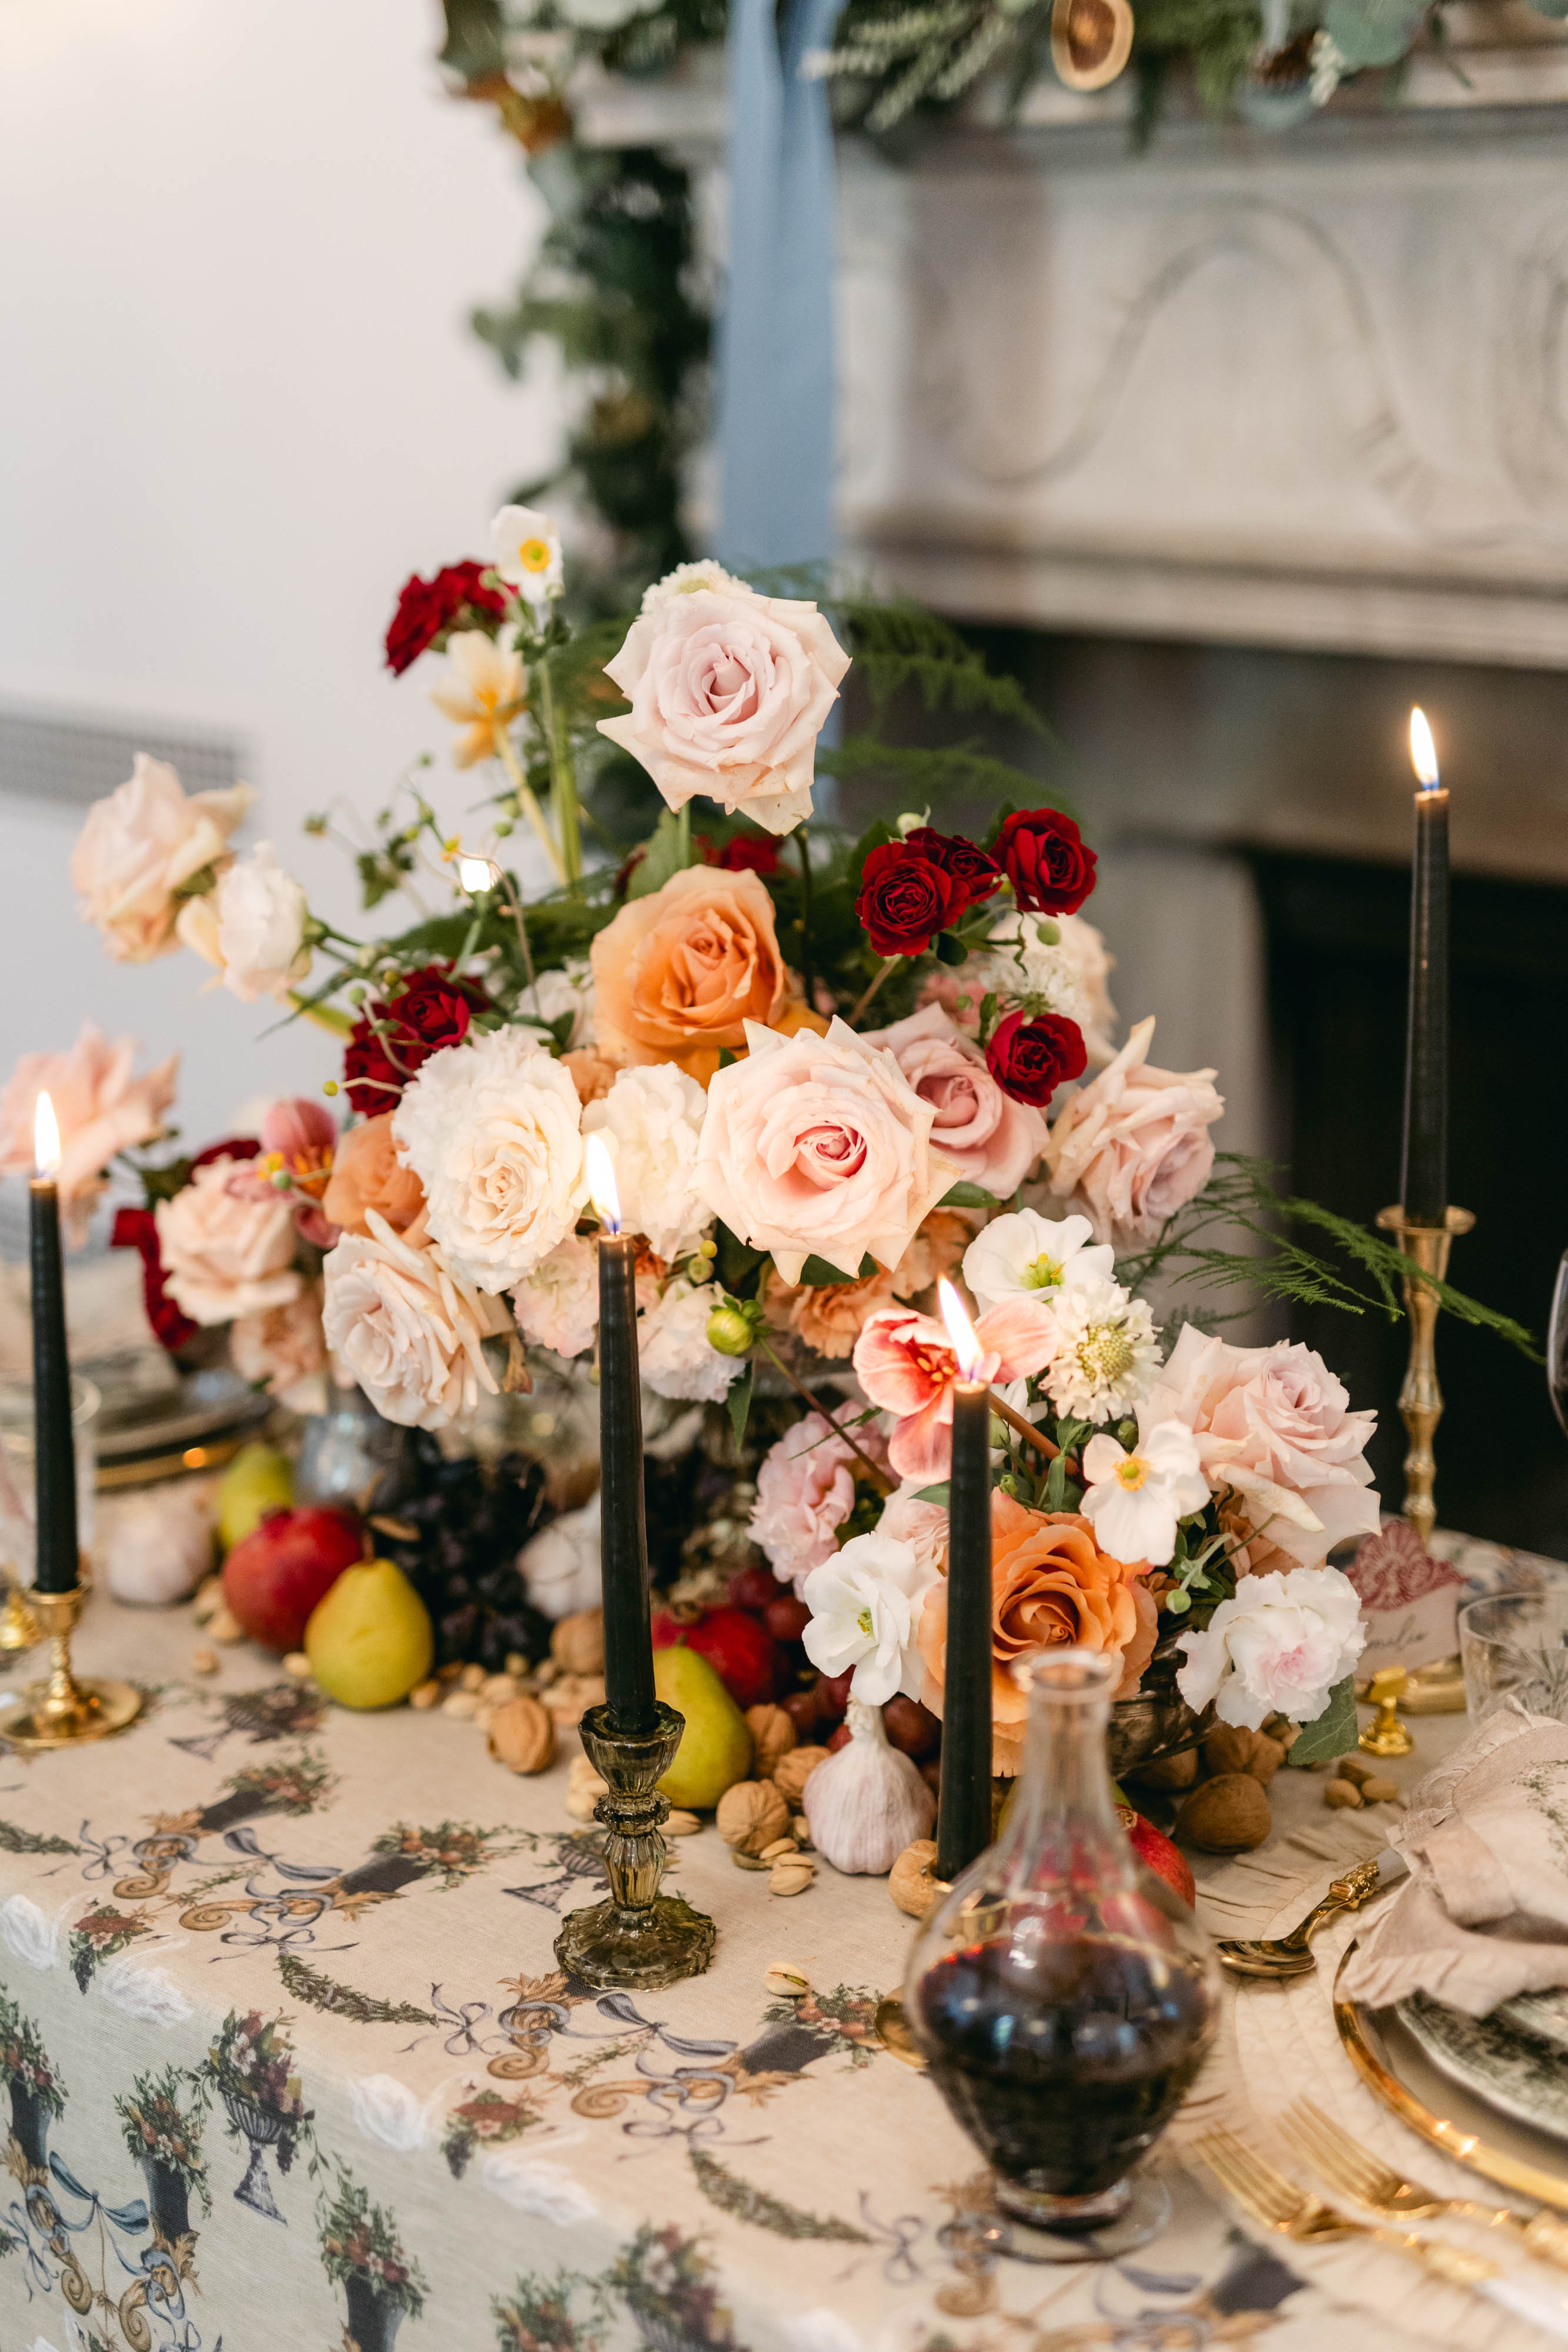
<point x="556" y="2171"/>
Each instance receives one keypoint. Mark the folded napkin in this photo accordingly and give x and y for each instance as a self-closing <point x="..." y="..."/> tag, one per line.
<point x="1484" y="1913"/>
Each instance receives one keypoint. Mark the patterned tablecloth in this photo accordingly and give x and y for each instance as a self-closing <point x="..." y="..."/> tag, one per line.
<point x="288" y="2064"/>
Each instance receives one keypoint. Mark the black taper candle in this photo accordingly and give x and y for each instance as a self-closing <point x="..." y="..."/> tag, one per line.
<point x="54" y="1441"/>
<point x="1424" y="1171"/>
<point x="964" y="1809"/>
<point x="623" y="1530"/>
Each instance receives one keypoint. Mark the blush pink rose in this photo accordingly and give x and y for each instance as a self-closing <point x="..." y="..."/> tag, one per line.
<point x="1133" y="1146"/>
<point x="1275" y="1425"/>
<point x="146" y="841"/>
<point x="728" y="692"/>
<point x="225" y="1253"/>
<point x="101" y="1107"/>
<point x="819" y="1147"/>
<point x="906" y="1366"/>
<point x="992" y="1141"/>
<point x="806" y="1491"/>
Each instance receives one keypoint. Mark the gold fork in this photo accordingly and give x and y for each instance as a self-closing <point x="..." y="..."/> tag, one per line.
<point x="1280" y="2205"/>
<point x="1356" y="2172"/>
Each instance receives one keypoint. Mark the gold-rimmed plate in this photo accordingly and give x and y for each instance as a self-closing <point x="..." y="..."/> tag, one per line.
<point x="1397" y="2071"/>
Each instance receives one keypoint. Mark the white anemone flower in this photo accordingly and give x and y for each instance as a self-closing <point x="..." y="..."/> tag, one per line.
<point x="1105" y="1353"/>
<point x="528" y="554"/>
<point x="865" y="1604"/>
<point x="1136" y="1500"/>
<point x="481" y="690"/>
<point x="1025" y="1255"/>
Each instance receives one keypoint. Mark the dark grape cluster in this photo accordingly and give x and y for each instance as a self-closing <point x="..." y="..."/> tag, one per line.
<point x="466" y="1524"/>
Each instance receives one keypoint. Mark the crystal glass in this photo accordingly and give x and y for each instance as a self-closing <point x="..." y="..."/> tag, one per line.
<point x="16" y="1486"/>
<point x="1062" y="1995"/>
<point x="1515" y="1645"/>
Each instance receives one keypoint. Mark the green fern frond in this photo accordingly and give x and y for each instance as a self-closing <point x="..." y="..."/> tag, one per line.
<point x="926" y="775"/>
<point x="900" y="644"/>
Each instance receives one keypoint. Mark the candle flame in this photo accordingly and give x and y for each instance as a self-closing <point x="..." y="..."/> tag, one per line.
<point x="602" y="1189"/>
<point x="960" y="1330"/>
<point x="475" y="873"/>
<point x="1423" y="750"/>
<point x="46" y="1138"/>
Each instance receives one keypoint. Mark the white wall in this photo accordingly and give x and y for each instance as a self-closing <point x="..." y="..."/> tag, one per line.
<point x="238" y="403"/>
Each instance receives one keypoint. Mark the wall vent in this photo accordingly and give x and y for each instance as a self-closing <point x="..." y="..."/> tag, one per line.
<point x="74" y="758"/>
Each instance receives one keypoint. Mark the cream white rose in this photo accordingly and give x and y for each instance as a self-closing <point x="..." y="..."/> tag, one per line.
<point x="143" y="844"/>
<point x="651" y="1121"/>
<point x="819" y="1147"/>
<point x="407" y="1330"/>
<point x="492" y="1130"/>
<point x="225" y="1253"/>
<point x="728" y="692"/>
<point x="1133" y="1146"/>
<point x="252" y="927"/>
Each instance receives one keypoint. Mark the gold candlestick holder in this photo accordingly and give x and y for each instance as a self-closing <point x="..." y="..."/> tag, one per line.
<point x="19" y="1629"/>
<point x="637" y="1939"/>
<point x="62" y="1711"/>
<point x="1420" y="1398"/>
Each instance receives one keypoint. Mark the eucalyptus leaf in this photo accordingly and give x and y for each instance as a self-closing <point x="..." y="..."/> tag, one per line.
<point x="1333" y="1733"/>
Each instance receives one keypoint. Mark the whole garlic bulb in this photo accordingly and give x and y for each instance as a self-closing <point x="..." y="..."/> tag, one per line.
<point x="155" y="1543"/>
<point x="868" y="1802"/>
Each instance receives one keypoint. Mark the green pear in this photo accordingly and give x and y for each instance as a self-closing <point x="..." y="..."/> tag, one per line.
<point x="369" y="1638"/>
<point x="259" y="1479"/>
<point x="716" y="1746"/>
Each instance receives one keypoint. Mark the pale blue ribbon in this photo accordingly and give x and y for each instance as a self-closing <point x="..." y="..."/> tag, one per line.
<point x="776" y="339"/>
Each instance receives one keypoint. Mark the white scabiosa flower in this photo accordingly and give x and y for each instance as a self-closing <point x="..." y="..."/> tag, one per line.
<point x="1025" y="1255"/>
<point x="492" y="1130"/>
<point x="865" y="1604"/>
<point x="1105" y="1354"/>
<point x="677" y="1358"/>
<point x="1135" y="1501"/>
<point x="652" y="1122"/>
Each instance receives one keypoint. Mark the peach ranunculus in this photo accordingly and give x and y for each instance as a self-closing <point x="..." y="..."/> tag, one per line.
<point x="679" y="974"/>
<point x="906" y="1366"/>
<point x="409" y="1330"/>
<point x="830" y="1317"/>
<point x="992" y="1141"/>
<point x="1275" y="1425"/>
<point x="147" y="841"/>
<point x="102" y="1108"/>
<point x="1133" y="1146"/>
<point x="728" y="692"/>
<point x="819" y="1147"/>
<point x="283" y="1348"/>
<point x="1051" y="1586"/>
<point x="225" y="1252"/>
<point x="367" y="1174"/>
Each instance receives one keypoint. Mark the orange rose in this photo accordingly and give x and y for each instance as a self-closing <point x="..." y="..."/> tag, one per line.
<point x="366" y="1175"/>
<point x="678" y="974"/>
<point x="1051" y="1586"/>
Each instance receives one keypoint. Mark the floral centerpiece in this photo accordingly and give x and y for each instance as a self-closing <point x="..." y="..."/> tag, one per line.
<point x="830" y="1071"/>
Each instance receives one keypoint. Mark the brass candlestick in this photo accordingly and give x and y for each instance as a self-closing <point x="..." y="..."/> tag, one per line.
<point x="637" y="1938"/>
<point x="1420" y="1398"/>
<point x="18" y="1626"/>
<point x="62" y="1712"/>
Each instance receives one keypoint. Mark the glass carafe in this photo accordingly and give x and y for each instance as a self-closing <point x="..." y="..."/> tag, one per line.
<point x="1062" y="1995"/>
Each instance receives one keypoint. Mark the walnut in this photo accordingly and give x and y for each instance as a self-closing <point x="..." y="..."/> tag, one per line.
<point x="577" y="1644"/>
<point x="1231" y="1748"/>
<point x="911" y="1881"/>
<point x="772" y="1736"/>
<point x="1169" y="1772"/>
<point x="793" y="1771"/>
<point x="1225" y="1815"/>
<point x="751" y="1815"/>
<point x="522" y="1736"/>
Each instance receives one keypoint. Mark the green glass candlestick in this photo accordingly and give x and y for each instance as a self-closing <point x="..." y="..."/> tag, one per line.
<point x="637" y="1938"/>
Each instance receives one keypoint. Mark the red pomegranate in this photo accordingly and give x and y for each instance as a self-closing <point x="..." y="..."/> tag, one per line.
<point x="737" y="1646"/>
<point x="1156" y="1853"/>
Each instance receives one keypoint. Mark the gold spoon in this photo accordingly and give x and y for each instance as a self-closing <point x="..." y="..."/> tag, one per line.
<point x="1288" y="1955"/>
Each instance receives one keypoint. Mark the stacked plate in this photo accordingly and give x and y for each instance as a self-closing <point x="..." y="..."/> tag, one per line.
<point x="1515" y="2061"/>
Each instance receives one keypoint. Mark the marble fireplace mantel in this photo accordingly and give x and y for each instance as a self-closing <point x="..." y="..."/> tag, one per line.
<point x="1308" y="389"/>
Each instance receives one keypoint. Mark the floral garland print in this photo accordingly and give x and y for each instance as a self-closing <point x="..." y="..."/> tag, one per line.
<point x="363" y="2254"/>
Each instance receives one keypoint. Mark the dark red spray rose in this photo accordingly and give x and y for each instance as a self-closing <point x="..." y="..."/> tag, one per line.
<point x="971" y="864"/>
<point x="905" y="901"/>
<point x="137" y="1229"/>
<point x="1029" y="1059"/>
<point x="1048" y="865"/>
<point x="426" y="609"/>
<point x="748" y="853"/>
<point x="428" y="1013"/>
